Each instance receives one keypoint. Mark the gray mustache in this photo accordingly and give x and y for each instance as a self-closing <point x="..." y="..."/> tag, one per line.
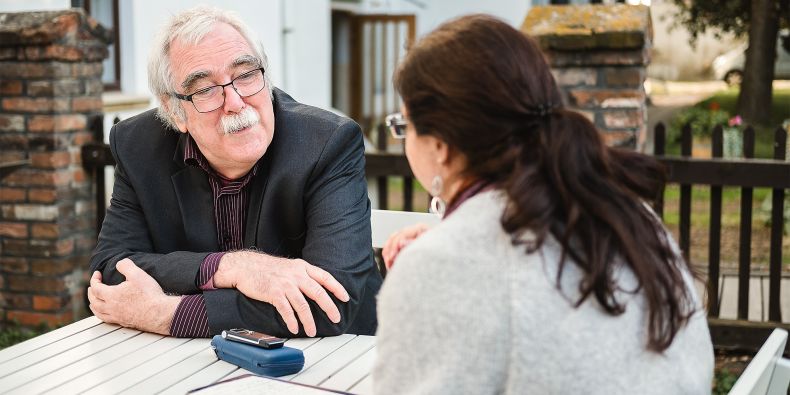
<point x="233" y="123"/>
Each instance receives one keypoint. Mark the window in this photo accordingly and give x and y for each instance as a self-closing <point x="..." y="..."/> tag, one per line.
<point x="106" y="13"/>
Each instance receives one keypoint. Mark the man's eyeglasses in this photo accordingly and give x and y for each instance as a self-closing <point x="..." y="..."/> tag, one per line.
<point x="396" y="123"/>
<point x="213" y="97"/>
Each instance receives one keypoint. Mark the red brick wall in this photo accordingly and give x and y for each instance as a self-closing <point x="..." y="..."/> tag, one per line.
<point x="599" y="55"/>
<point x="50" y="90"/>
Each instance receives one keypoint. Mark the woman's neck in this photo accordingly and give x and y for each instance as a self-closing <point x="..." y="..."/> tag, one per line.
<point x="468" y="189"/>
<point x="453" y="186"/>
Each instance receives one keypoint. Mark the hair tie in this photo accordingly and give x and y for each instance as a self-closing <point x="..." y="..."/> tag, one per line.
<point x="541" y="110"/>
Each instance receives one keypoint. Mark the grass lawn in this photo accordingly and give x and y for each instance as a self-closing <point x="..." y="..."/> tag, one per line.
<point x="730" y="225"/>
<point x="395" y="195"/>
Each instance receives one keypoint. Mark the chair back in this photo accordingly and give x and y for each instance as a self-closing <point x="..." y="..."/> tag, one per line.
<point x="384" y="223"/>
<point x="767" y="373"/>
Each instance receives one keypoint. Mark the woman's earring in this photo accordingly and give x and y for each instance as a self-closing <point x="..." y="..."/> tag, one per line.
<point x="437" y="204"/>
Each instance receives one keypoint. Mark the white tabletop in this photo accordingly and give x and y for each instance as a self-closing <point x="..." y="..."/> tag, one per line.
<point x="94" y="357"/>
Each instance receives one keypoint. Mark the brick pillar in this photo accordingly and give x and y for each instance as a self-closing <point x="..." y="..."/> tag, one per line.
<point x="50" y="91"/>
<point x="599" y="55"/>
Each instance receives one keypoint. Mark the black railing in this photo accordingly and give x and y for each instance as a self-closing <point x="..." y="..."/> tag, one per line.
<point x="684" y="170"/>
<point x="746" y="173"/>
<point x="715" y="173"/>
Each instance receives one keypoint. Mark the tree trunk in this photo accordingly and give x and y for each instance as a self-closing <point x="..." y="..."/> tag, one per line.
<point x="754" y="101"/>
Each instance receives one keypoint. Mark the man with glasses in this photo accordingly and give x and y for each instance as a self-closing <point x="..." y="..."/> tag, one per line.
<point x="218" y="222"/>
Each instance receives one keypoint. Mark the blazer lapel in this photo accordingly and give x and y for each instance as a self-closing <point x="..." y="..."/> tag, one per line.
<point x="197" y="208"/>
<point x="257" y="188"/>
<point x="254" y="222"/>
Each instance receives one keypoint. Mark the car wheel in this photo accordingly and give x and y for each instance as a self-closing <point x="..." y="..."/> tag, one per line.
<point x="733" y="77"/>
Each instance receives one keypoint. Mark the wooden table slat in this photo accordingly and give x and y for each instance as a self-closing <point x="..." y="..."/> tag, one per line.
<point x="89" y="364"/>
<point x="301" y="343"/>
<point x="111" y="370"/>
<point x="353" y="373"/>
<point x="336" y="361"/>
<point x="53" y="349"/>
<point x="175" y="373"/>
<point x="318" y="351"/>
<point x="128" y="378"/>
<point x="364" y="387"/>
<point x="230" y="371"/>
<point x="236" y="373"/>
<point x="47" y="338"/>
<point x="92" y="357"/>
<point x="61" y="360"/>
<point x="201" y="378"/>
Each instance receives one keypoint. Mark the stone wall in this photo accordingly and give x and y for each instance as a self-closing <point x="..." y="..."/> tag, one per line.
<point x="599" y="55"/>
<point x="50" y="92"/>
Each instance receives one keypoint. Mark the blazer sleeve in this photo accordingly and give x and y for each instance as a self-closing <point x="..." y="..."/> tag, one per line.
<point x="337" y="239"/>
<point x="124" y="234"/>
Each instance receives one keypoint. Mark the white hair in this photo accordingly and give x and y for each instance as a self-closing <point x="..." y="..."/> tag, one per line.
<point x="191" y="26"/>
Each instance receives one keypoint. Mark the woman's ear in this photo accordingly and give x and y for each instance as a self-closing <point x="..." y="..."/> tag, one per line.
<point x="442" y="152"/>
<point x="448" y="157"/>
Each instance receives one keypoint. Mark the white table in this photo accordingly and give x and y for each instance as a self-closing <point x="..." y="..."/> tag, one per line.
<point x="94" y="357"/>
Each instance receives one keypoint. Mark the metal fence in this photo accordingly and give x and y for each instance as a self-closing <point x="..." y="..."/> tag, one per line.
<point x="686" y="171"/>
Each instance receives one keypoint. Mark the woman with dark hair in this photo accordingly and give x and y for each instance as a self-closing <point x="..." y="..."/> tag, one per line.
<point x="549" y="272"/>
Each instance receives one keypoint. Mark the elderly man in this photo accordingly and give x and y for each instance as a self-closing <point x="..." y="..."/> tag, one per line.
<point x="216" y="221"/>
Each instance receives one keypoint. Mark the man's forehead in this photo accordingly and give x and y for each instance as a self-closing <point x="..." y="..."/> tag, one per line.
<point x="229" y="49"/>
<point x="200" y="73"/>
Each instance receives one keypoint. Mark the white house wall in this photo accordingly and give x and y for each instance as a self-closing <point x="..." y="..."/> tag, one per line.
<point x="141" y="19"/>
<point x="307" y="56"/>
<point x="439" y="11"/>
<point x="431" y="13"/>
<point x="295" y="35"/>
<point x="33" y="5"/>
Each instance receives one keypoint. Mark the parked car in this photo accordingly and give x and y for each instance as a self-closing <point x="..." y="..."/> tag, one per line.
<point x="729" y="66"/>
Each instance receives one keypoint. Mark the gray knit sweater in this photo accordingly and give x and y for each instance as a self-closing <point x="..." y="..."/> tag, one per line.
<point x="465" y="312"/>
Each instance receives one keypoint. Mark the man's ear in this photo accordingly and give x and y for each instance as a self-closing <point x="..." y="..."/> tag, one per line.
<point x="180" y="123"/>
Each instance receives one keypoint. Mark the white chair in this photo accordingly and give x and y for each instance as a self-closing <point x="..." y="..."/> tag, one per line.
<point x="768" y="373"/>
<point x="384" y="223"/>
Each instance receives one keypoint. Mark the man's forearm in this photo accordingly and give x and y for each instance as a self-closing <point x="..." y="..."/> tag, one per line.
<point x="286" y="284"/>
<point x="176" y="272"/>
<point x="163" y="317"/>
<point x="232" y="266"/>
<point x="139" y="302"/>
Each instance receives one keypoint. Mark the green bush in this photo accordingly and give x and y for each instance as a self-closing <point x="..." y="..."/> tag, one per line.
<point x="702" y="121"/>
<point x="14" y="333"/>
<point x="723" y="381"/>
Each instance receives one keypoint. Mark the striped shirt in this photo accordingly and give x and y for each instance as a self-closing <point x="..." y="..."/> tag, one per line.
<point x="230" y="205"/>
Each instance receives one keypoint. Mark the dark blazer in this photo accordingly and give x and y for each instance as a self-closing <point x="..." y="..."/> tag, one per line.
<point x="308" y="200"/>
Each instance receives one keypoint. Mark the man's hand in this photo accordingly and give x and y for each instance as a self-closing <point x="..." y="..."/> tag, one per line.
<point x="283" y="283"/>
<point x="400" y="239"/>
<point x="138" y="302"/>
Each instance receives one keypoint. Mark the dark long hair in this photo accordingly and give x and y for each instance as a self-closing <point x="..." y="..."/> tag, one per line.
<point x="485" y="89"/>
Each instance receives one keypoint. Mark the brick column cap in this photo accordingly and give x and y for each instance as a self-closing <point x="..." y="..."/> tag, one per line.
<point x="590" y="27"/>
<point x="69" y="26"/>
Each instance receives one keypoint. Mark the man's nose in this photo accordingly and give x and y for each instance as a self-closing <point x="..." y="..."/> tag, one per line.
<point x="233" y="100"/>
